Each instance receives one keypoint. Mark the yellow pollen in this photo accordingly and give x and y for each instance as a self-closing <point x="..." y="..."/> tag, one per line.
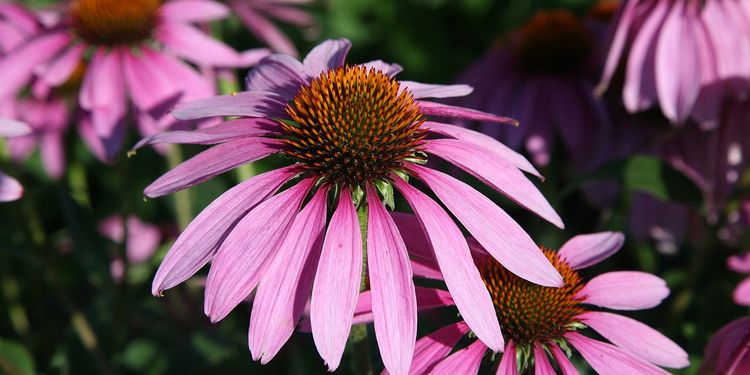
<point x="352" y="125"/>
<point x="553" y="41"/>
<point x="531" y="313"/>
<point x="114" y="22"/>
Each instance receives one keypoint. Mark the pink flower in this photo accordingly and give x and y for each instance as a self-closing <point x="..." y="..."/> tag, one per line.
<point x="353" y="133"/>
<point x="686" y="56"/>
<point x="257" y="15"/>
<point x="142" y="241"/>
<point x="132" y="52"/>
<point x="541" y="323"/>
<point x="728" y="351"/>
<point x="10" y="189"/>
<point x="549" y="60"/>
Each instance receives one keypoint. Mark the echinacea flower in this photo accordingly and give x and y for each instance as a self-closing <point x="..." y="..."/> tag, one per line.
<point x="141" y="242"/>
<point x="10" y="189"/>
<point x="133" y="52"/>
<point x="257" y="16"/>
<point x="352" y="133"/>
<point x="687" y="57"/>
<point x="549" y="60"/>
<point x="541" y="323"/>
<point x="728" y="351"/>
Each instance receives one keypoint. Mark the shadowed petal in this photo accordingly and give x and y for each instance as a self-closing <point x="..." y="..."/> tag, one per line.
<point x="562" y="360"/>
<point x="625" y="290"/>
<point x="246" y="103"/>
<point x="449" y="111"/>
<point x="508" y="362"/>
<point x="63" y="66"/>
<point x="337" y="282"/>
<point x="327" y="55"/>
<point x="464" y="361"/>
<point x="394" y="303"/>
<point x="389" y="69"/>
<point x="541" y="362"/>
<point x="589" y="249"/>
<point x="227" y="131"/>
<point x="617" y="44"/>
<point x="608" y="359"/>
<point x="432" y="348"/>
<point x="424" y="90"/>
<point x="147" y="86"/>
<point x="248" y="249"/>
<point x="280" y="74"/>
<point x="427" y="298"/>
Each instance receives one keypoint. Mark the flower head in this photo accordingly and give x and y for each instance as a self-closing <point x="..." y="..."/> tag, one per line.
<point x="353" y="134"/>
<point x="540" y="323"/>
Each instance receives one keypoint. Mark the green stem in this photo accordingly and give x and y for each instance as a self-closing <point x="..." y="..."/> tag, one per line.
<point x="361" y="363"/>
<point x="183" y="203"/>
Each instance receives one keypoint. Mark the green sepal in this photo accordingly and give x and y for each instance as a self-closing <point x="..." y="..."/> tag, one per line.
<point x="386" y="190"/>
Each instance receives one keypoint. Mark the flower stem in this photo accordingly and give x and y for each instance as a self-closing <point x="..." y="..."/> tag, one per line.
<point x="183" y="203"/>
<point x="358" y="336"/>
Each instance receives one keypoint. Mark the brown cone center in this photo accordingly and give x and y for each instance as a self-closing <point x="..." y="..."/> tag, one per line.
<point x="114" y="22"/>
<point x="553" y="42"/>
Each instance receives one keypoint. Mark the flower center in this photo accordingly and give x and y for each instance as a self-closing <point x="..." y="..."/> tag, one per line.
<point x="531" y="313"/>
<point x="114" y="22"/>
<point x="553" y="42"/>
<point x="352" y="125"/>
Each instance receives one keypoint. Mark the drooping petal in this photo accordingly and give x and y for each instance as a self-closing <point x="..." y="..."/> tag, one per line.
<point x="12" y="128"/>
<point x="262" y="28"/>
<point x="337" y="282"/>
<point x="280" y="74"/>
<point x="498" y="233"/>
<point x="478" y="139"/>
<point x="147" y="87"/>
<point x="17" y="68"/>
<point x="63" y="66"/>
<point x="625" y="290"/>
<point x="217" y="159"/>
<point x="327" y="55"/>
<point x="449" y="111"/>
<point x="10" y="189"/>
<point x="198" y="243"/>
<point x="193" y="11"/>
<point x="541" y="362"/>
<point x="432" y="348"/>
<point x="465" y="361"/>
<point x="282" y="295"/>
<point x="496" y="173"/>
<point x="248" y="249"/>
<point x="508" y="361"/>
<point x="228" y="131"/>
<point x="458" y="268"/>
<point x="587" y="250"/>
<point x="194" y="45"/>
<point x="103" y="92"/>
<point x="424" y="90"/>
<point x="247" y="103"/>
<point x="617" y="45"/>
<point x="427" y="298"/>
<point x="562" y="360"/>
<point x="394" y="303"/>
<point x="608" y="359"/>
<point x="637" y="338"/>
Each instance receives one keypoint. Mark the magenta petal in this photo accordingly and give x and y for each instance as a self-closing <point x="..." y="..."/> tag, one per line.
<point x="253" y="104"/>
<point x="498" y="233"/>
<point x="17" y="68"/>
<point x="608" y="359"/>
<point x="11" y="128"/>
<point x="394" y="303"/>
<point x="103" y="93"/>
<point x="541" y="362"/>
<point x="458" y="268"/>
<point x="478" y="139"/>
<point x="337" y="282"/>
<point x="217" y="159"/>
<point x="248" y="250"/>
<point x="449" y="111"/>
<point x="589" y="249"/>
<point x="327" y="55"/>
<point x="147" y="85"/>
<point x="639" y="89"/>
<point x="193" y="11"/>
<point x="617" y="45"/>
<point x="465" y="361"/>
<point x="198" y="243"/>
<point x="431" y="349"/>
<point x="10" y="189"/>
<point x="262" y="28"/>
<point x="427" y="299"/>
<point x="63" y="66"/>
<point x="562" y="360"/>
<point x="625" y="290"/>
<point x="280" y="74"/>
<point x="227" y="131"/>
<point x="508" y="361"/>
<point x="194" y="45"/>
<point x="425" y="90"/>
<point x="284" y="290"/>
<point x="496" y="173"/>
<point x="637" y="338"/>
<point x="741" y="294"/>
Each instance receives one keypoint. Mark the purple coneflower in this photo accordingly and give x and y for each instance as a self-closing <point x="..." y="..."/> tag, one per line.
<point x="549" y="60"/>
<point x="133" y="52"/>
<point x="257" y="15"/>
<point x="353" y="133"/>
<point x="541" y="323"/>
<point x="688" y="56"/>
<point x="10" y="189"/>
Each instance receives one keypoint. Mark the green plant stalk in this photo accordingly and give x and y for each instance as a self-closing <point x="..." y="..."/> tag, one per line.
<point x="183" y="202"/>
<point x="360" y="346"/>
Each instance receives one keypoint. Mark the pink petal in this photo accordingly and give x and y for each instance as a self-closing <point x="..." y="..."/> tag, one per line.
<point x="458" y="268"/>
<point x="52" y="151"/>
<point x="608" y="359"/>
<point x="147" y="85"/>
<point x="280" y="74"/>
<point x="143" y="240"/>
<point x="490" y="144"/>
<point x="617" y="44"/>
<point x="427" y="299"/>
<point x="216" y="160"/>
<point x="741" y="294"/>
<point x="60" y="69"/>
<point x="327" y="55"/>
<point x="431" y="349"/>
<point x="394" y="303"/>
<point x="497" y="173"/>
<point x="16" y="68"/>
<point x="262" y="28"/>
<point x="562" y="360"/>
<point x="10" y="189"/>
<point x="498" y="233"/>
<point x="424" y="90"/>
<point x="449" y="111"/>
<point x="541" y="362"/>
<point x="250" y="247"/>
<point x="13" y="128"/>
<point x="253" y="56"/>
<point x="253" y="104"/>
<point x="283" y="293"/>
<point x="195" y="46"/>
<point x="465" y="361"/>
<point x="740" y="263"/>
<point x="625" y="290"/>
<point x="227" y="131"/>
<point x="103" y="92"/>
<point x="193" y="11"/>
<point x="390" y="70"/>
<point x="589" y="249"/>
<point x="191" y="83"/>
<point x="198" y="243"/>
<point x="337" y="282"/>
<point x="508" y="361"/>
<point x="636" y="338"/>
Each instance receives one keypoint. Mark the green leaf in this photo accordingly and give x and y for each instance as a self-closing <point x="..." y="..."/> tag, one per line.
<point x="15" y="359"/>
